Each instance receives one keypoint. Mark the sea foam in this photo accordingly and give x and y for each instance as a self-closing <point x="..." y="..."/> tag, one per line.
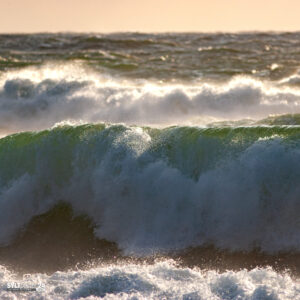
<point x="162" y="280"/>
<point x="38" y="98"/>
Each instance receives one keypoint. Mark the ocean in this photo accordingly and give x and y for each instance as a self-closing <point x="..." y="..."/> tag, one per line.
<point x="150" y="166"/>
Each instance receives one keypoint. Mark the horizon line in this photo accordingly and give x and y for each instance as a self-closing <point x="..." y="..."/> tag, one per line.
<point x="150" y="32"/>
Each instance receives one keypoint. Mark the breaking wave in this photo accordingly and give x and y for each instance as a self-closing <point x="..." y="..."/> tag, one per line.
<point x="154" y="190"/>
<point x="38" y="98"/>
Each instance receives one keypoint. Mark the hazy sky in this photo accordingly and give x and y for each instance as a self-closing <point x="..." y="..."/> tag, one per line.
<point x="148" y="15"/>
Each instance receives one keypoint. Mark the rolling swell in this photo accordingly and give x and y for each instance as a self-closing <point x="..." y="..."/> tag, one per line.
<point x="159" y="190"/>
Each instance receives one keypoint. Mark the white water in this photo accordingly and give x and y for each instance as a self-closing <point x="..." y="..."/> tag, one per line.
<point x="38" y="98"/>
<point x="163" y="280"/>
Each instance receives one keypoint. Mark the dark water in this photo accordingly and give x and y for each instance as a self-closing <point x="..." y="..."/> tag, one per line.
<point x="166" y="57"/>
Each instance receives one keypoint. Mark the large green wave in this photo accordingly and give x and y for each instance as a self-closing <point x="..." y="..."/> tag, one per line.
<point x="150" y="189"/>
<point x="190" y="149"/>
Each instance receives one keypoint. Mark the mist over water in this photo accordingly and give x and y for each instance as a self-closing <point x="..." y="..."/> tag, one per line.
<point x="158" y="145"/>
